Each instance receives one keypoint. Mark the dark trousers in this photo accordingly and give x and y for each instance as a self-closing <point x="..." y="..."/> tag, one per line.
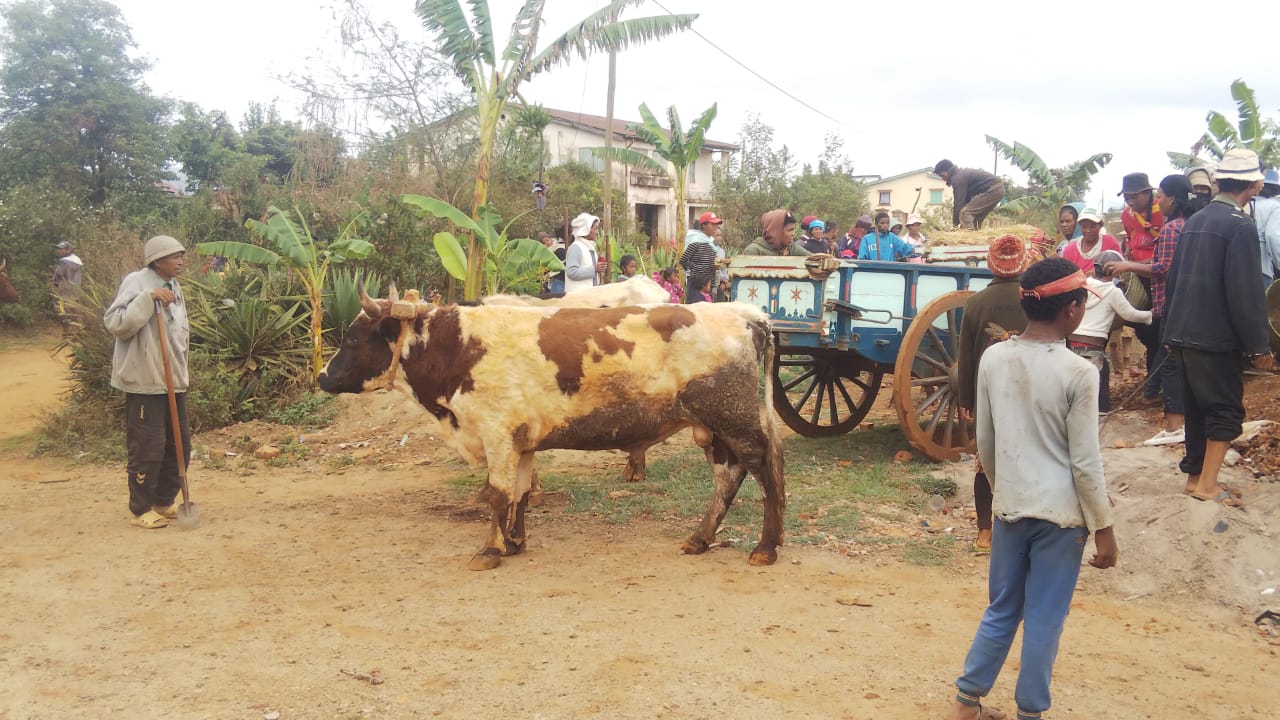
<point x="1169" y="369"/>
<point x="153" y="457"/>
<point x="1213" y="386"/>
<point x="1149" y="336"/>
<point x="982" y="497"/>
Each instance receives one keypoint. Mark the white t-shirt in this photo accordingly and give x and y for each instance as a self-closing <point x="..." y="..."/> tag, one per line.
<point x="1099" y="312"/>
<point x="1045" y="461"/>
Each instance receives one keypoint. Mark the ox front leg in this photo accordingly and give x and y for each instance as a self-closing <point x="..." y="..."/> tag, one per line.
<point x="728" y="474"/>
<point x="635" y="465"/>
<point x="508" y="493"/>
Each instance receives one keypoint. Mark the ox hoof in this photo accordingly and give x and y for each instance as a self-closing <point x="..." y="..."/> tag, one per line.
<point x="763" y="556"/>
<point x="632" y="477"/>
<point x="486" y="559"/>
<point x="694" y="546"/>
<point x="536" y="498"/>
<point x="511" y="548"/>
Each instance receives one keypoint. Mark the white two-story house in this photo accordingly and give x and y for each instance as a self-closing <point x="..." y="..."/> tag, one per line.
<point x="651" y="200"/>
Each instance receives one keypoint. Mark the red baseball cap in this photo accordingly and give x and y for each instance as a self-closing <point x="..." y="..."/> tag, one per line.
<point x="709" y="217"/>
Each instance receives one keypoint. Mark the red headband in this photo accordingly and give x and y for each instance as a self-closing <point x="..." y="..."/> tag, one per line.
<point x="1061" y="286"/>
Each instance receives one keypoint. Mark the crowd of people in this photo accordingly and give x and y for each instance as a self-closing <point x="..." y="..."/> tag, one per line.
<point x="1198" y="252"/>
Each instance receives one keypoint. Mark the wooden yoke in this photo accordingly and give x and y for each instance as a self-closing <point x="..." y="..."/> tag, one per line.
<point x="406" y="311"/>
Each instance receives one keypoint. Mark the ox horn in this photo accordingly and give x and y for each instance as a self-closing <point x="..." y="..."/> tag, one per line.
<point x="392" y="295"/>
<point x="3" y="264"/>
<point x="371" y="306"/>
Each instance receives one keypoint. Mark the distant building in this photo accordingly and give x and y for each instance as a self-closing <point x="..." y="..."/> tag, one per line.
<point x="916" y="191"/>
<point x="651" y="200"/>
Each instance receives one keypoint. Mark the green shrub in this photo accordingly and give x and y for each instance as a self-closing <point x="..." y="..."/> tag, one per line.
<point x="216" y="397"/>
<point x="309" y="410"/>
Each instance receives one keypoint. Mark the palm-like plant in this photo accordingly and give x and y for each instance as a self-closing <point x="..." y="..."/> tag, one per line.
<point x="506" y="264"/>
<point x="1051" y="188"/>
<point x="468" y="44"/>
<point x="1251" y="132"/>
<point x="677" y="147"/>
<point x="297" y="250"/>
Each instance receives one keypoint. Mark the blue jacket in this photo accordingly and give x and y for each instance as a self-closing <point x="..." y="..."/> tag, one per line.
<point x="887" y="247"/>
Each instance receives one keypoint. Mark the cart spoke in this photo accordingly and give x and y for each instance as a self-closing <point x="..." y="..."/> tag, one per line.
<point x="817" y="403"/>
<point x="947" y="429"/>
<point x="922" y="408"/>
<point x="831" y="400"/>
<point x="942" y="349"/>
<point x="929" y="381"/>
<point x="921" y="355"/>
<point x="933" y="421"/>
<point x="800" y="379"/>
<point x="804" y="397"/>
<point x="853" y="406"/>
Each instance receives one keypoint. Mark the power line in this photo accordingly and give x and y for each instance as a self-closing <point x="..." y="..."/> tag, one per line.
<point x="764" y="79"/>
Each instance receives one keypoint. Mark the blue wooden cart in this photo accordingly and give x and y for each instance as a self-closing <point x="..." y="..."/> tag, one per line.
<point x="841" y="325"/>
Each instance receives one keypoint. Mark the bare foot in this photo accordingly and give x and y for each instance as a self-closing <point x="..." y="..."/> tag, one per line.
<point x="1192" y="482"/>
<point x="984" y="539"/>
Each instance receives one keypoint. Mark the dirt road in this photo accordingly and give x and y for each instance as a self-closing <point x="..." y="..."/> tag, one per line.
<point x="304" y="586"/>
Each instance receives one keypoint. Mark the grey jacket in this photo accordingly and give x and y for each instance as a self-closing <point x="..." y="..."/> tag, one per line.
<point x="136" y="365"/>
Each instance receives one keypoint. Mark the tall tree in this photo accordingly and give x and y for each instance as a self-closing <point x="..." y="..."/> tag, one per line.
<point x="494" y="79"/>
<point x="73" y="106"/>
<point x="674" y="145"/>
<point x="1250" y="131"/>
<point x="1049" y="188"/>
<point x="751" y="182"/>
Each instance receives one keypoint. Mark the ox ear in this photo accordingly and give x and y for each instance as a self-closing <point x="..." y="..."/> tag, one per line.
<point x="371" y="306"/>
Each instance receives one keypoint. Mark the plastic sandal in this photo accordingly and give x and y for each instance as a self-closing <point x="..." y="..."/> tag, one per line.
<point x="149" y="520"/>
<point x="168" y="512"/>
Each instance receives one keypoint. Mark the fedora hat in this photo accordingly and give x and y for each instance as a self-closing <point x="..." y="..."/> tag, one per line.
<point x="1135" y="183"/>
<point x="1240" y="164"/>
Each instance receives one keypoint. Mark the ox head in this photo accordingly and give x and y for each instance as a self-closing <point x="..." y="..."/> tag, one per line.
<point x="366" y="353"/>
<point x="8" y="293"/>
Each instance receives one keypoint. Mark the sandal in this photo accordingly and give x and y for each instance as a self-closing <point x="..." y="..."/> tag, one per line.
<point x="169" y="512"/>
<point x="149" y="520"/>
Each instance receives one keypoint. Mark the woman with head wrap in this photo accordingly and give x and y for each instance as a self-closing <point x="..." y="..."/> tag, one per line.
<point x="582" y="264"/>
<point x="779" y="228"/>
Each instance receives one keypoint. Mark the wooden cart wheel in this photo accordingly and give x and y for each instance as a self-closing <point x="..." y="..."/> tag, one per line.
<point x="822" y="395"/>
<point x="924" y="381"/>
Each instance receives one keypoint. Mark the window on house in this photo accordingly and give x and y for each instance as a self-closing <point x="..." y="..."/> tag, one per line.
<point x="935" y="197"/>
<point x="884" y="197"/>
<point x="590" y="159"/>
<point x="693" y="172"/>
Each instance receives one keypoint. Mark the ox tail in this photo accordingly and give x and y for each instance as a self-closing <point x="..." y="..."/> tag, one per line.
<point x="773" y="453"/>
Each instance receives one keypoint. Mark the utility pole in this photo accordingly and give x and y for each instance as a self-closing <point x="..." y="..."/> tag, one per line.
<point x="608" y="148"/>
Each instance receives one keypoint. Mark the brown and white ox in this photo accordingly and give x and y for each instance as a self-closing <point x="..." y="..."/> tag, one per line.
<point x="636" y="291"/>
<point x="505" y="382"/>
<point x="8" y="293"/>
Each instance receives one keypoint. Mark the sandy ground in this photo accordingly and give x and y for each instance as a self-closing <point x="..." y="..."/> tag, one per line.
<point x="316" y="592"/>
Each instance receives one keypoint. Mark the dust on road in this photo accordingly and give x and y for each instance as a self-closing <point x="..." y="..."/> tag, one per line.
<point x="303" y="580"/>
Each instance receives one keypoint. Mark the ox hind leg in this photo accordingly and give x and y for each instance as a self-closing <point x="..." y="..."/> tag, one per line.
<point x="731" y="459"/>
<point x="508" y="495"/>
<point x="727" y="473"/>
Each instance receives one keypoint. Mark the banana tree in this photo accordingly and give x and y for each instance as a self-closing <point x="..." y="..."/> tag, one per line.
<point x="1051" y="188"/>
<point x="1251" y="131"/>
<point x="677" y="147"/>
<point x="297" y="250"/>
<point x="506" y="265"/>
<point x="467" y="43"/>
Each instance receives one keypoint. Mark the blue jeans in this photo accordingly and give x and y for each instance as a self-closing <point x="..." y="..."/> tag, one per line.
<point x="556" y="285"/>
<point x="1034" y="567"/>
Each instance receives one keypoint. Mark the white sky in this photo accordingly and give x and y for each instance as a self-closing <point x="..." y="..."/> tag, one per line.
<point x="910" y="83"/>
